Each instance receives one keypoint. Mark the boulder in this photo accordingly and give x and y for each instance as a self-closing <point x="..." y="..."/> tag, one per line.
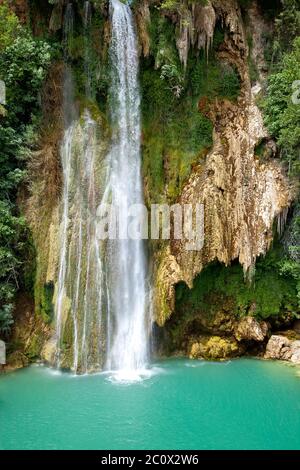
<point x="16" y="360"/>
<point x="279" y="347"/>
<point x="48" y="351"/>
<point x="2" y="353"/>
<point x="295" y="349"/>
<point x="249" y="329"/>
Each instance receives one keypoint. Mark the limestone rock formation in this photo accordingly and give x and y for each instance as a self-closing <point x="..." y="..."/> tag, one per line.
<point x="280" y="347"/>
<point x="17" y="360"/>
<point x="249" y="329"/>
<point x="242" y="196"/>
<point x="2" y="353"/>
<point x="29" y="334"/>
<point x="196" y="25"/>
<point x="142" y="15"/>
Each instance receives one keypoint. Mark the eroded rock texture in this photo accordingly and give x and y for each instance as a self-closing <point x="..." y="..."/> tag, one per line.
<point x="241" y="195"/>
<point x="280" y="347"/>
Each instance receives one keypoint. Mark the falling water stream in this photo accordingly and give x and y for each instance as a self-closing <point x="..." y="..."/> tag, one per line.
<point x="98" y="280"/>
<point x="127" y="268"/>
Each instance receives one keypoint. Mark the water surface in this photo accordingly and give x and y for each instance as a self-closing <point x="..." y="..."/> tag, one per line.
<point x="242" y="404"/>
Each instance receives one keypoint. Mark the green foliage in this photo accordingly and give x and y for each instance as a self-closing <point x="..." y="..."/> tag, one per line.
<point x="290" y="264"/>
<point x="176" y="4"/>
<point x="272" y="292"/>
<point x="288" y="267"/>
<point x="212" y="79"/>
<point x="9" y="26"/>
<point x="90" y="47"/>
<point x="23" y="66"/>
<point x="292" y="235"/>
<point x="6" y="319"/>
<point x="244" y="3"/>
<point x="47" y="308"/>
<point x="176" y="132"/>
<point x="287" y="26"/>
<point x="286" y="16"/>
<point x="282" y="113"/>
<point x="164" y="52"/>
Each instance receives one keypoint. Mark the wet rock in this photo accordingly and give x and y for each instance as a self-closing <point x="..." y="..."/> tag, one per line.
<point x="295" y="349"/>
<point x="142" y="16"/>
<point x="2" y="353"/>
<point x="48" y="351"/>
<point x="29" y="333"/>
<point x="56" y="18"/>
<point x="16" y="360"/>
<point x="249" y="329"/>
<point x="235" y="190"/>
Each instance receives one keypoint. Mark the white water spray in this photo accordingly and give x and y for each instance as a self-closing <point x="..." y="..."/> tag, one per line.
<point x="102" y="284"/>
<point x="127" y="342"/>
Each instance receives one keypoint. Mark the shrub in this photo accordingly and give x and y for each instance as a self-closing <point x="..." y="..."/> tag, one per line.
<point x="282" y="115"/>
<point x="273" y="290"/>
<point x="23" y="67"/>
<point x="6" y="319"/>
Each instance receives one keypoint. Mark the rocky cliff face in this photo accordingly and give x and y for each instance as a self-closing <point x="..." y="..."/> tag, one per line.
<point x="242" y="196"/>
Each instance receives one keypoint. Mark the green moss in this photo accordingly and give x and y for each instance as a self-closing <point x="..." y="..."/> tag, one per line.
<point x="94" y="44"/>
<point x="175" y="134"/>
<point x="176" y="131"/>
<point x="46" y="303"/>
<point x="35" y="346"/>
<point x="269" y="294"/>
<point x="260" y="149"/>
<point x="211" y="78"/>
<point x="68" y="334"/>
<point x="29" y="265"/>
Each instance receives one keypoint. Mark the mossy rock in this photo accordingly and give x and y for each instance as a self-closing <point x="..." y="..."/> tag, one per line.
<point x="214" y="347"/>
<point x="34" y="349"/>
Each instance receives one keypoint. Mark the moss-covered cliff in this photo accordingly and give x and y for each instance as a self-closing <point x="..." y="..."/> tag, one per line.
<point x="205" y="67"/>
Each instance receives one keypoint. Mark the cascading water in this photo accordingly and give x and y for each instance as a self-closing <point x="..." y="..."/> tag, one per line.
<point x="65" y="152"/>
<point x="101" y="293"/>
<point x="79" y="289"/>
<point x="127" y="335"/>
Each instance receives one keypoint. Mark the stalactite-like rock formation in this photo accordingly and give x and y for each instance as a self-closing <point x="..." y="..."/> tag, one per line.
<point x="142" y="16"/>
<point x="241" y="195"/>
<point x="196" y="28"/>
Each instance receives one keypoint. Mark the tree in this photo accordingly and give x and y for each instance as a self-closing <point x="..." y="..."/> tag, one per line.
<point x="24" y="62"/>
<point x="282" y="110"/>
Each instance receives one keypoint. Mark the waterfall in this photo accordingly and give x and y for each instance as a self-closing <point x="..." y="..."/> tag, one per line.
<point x="101" y="301"/>
<point x="65" y="153"/>
<point x="79" y="299"/>
<point x="68" y="30"/>
<point x="126" y="264"/>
